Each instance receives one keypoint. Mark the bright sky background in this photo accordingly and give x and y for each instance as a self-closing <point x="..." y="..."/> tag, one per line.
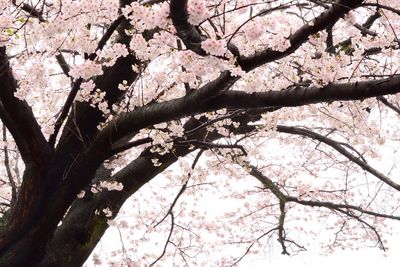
<point x="272" y="257"/>
<point x="366" y="257"/>
<point x="313" y="257"/>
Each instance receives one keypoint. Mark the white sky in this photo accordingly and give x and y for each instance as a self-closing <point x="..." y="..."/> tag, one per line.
<point x="272" y="257"/>
<point x="365" y="257"/>
<point x="313" y="257"/>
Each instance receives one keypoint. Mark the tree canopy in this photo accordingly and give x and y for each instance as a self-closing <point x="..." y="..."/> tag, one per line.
<point x="285" y="110"/>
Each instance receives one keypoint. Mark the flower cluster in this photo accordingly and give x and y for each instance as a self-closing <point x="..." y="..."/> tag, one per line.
<point x="5" y="31"/>
<point x="253" y="31"/>
<point x="198" y="11"/>
<point x="109" y="55"/>
<point x="108" y="185"/>
<point x="86" y="70"/>
<point x="112" y="185"/>
<point x="95" y="97"/>
<point x="140" y="47"/>
<point x="147" y="17"/>
<point x="214" y="47"/>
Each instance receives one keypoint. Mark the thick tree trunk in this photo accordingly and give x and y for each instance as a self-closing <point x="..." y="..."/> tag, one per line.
<point x="53" y="177"/>
<point x="34" y="218"/>
<point x="82" y="229"/>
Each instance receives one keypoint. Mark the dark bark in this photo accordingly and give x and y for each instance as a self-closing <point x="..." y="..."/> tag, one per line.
<point x="53" y="177"/>
<point x="190" y="35"/>
<point x="48" y="189"/>
<point x="82" y="229"/>
<point x="327" y="19"/>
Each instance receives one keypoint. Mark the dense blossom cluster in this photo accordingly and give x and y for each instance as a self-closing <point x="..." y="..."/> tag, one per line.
<point x="51" y="52"/>
<point x="198" y="11"/>
<point x="214" y="47"/>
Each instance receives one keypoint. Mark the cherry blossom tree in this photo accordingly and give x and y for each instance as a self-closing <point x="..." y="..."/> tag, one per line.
<point x="285" y="110"/>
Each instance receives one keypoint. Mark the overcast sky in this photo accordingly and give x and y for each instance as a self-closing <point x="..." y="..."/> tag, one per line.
<point x="367" y="257"/>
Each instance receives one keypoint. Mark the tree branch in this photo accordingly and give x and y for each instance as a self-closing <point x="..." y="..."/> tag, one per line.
<point x="76" y="85"/>
<point x="17" y="115"/>
<point x="339" y="147"/>
<point x="283" y="198"/>
<point x="14" y="186"/>
<point x="388" y="104"/>
<point x="167" y="241"/>
<point x="323" y="21"/>
<point x="188" y="33"/>
<point x="203" y="100"/>
<point x="182" y="190"/>
<point x="31" y="10"/>
<point x="80" y="219"/>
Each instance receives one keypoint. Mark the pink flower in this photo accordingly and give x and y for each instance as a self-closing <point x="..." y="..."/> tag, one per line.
<point x="214" y="47"/>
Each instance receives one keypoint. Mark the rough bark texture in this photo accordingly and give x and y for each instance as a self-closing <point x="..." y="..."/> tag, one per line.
<point x="54" y="176"/>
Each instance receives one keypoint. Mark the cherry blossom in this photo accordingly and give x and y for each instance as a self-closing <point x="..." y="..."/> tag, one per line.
<point x="196" y="132"/>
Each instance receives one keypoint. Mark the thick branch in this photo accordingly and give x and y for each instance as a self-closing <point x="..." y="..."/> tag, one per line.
<point x="188" y="33"/>
<point x="334" y="206"/>
<point x="81" y="229"/>
<point x="14" y="186"/>
<point x="203" y="101"/>
<point x="76" y="85"/>
<point x="17" y="115"/>
<point x="388" y="104"/>
<point x="323" y="21"/>
<point x="31" y="10"/>
<point x="338" y="147"/>
<point x="283" y="198"/>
